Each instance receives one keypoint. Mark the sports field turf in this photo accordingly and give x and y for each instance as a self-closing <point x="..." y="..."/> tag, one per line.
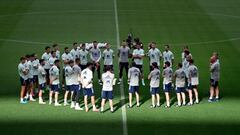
<point x="27" y="26"/>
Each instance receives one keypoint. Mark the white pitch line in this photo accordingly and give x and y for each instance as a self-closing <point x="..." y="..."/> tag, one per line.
<point x="124" y="114"/>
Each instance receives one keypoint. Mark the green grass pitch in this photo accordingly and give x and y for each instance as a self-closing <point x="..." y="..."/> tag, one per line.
<point x="27" y="26"/>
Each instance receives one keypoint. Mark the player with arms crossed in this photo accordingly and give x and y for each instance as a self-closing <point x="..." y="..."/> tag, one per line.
<point x="108" y="56"/>
<point x="83" y="55"/>
<point x="41" y="80"/>
<point x="214" y="80"/>
<point x="154" y="55"/>
<point x="86" y="80"/>
<point x="123" y="54"/>
<point x="134" y="74"/>
<point x="68" y="77"/>
<point x="193" y="82"/>
<point x="138" y="55"/>
<point x="168" y="55"/>
<point x="54" y="82"/>
<point x="76" y="85"/>
<point x="154" y="78"/>
<point x="95" y="55"/>
<point x="179" y="76"/>
<point x="167" y="82"/>
<point x="23" y="73"/>
<point x="107" y="89"/>
<point x="47" y="66"/>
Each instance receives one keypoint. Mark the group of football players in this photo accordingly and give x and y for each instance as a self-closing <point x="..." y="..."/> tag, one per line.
<point x="79" y="64"/>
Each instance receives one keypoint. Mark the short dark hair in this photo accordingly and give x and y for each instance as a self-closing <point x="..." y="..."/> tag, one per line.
<point x="167" y="45"/>
<point x="65" y="48"/>
<point x="27" y="56"/>
<point x="133" y="64"/>
<point x="167" y="63"/>
<point x="52" y="52"/>
<point x="155" y="65"/>
<point x="56" y="61"/>
<point x="191" y="61"/>
<point x="71" y="61"/>
<point x="108" y="68"/>
<point x="95" y="41"/>
<point x="89" y="64"/>
<point x="32" y="55"/>
<point x="83" y="44"/>
<point x="22" y="58"/>
<point x="77" y="59"/>
<point x="74" y="43"/>
<point x="47" y="47"/>
<point x="180" y="65"/>
<point x="41" y="60"/>
<point x="55" y="45"/>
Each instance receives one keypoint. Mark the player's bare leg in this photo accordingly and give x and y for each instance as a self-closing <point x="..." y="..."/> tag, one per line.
<point x="158" y="100"/>
<point x="65" y="98"/>
<point x="167" y="99"/>
<point x="137" y="99"/>
<point x="111" y="105"/>
<point x="103" y="104"/>
<point x="40" y="97"/>
<point x="50" y="97"/>
<point x="22" y="92"/>
<point x="56" y="99"/>
<point x="196" y="95"/>
<point x="183" y="98"/>
<point x="179" y="99"/>
<point x="86" y="103"/>
<point x="153" y="101"/>
<point x="190" y="97"/>
<point x="130" y="100"/>
<point x="93" y="104"/>
<point x="217" y="93"/>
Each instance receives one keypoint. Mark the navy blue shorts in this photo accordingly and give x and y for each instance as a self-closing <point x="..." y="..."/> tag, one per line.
<point x="55" y="88"/>
<point x="167" y="87"/>
<point x="180" y="89"/>
<point x="107" y="95"/>
<point x="154" y="90"/>
<point x="75" y="88"/>
<point x="42" y="86"/>
<point x="68" y="88"/>
<point x="29" y="81"/>
<point x="191" y="87"/>
<point x="133" y="89"/>
<point x="88" y="92"/>
<point x="213" y="83"/>
<point x="23" y="82"/>
<point x="35" y="78"/>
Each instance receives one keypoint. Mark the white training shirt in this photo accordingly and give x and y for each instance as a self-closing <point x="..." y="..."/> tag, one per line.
<point x="168" y="56"/>
<point x="76" y="74"/>
<point x="154" y="55"/>
<point x="107" y="79"/>
<point x="167" y="75"/>
<point x="35" y="65"/>
<point x="46" y="57"/>
<point x="52" y="60"/>
<point x="74" y="53"/>
<point x="180" y="78"/>
<point x="86" y="78"/>
<point x="83" y="55"/>
<point x="54" y="73"/>
<point x="133" y="76"/>
<point x="22" y="68"/>
<point x="68" y="74"/>
<point x="41" y="75"/>
<point x="99" y="45"/>
<point x="30" y="68"/>
<point x="193" y="75"/>
<point x="58" y="54"/>
<point x="108" y="57"/>
<point x="155" y="78"/>
<point x="139" y="52"/>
